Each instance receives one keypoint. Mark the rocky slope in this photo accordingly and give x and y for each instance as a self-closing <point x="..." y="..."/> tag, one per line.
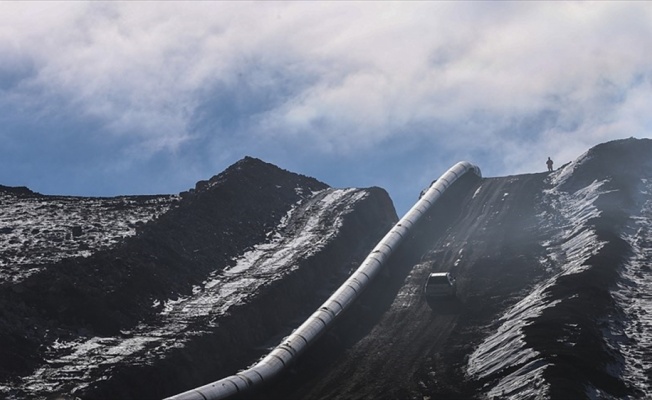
<point x="102" y="298"/>
<point x="144" y="297"/>
<point x="553" y="273"/>
<point x="583" y="331"/>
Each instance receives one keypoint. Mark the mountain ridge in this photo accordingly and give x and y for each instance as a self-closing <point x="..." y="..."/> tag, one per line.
<point x="552" y="269"/>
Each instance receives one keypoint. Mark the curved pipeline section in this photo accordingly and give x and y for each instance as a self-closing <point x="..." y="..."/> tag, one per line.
<point x="293" y="345"/>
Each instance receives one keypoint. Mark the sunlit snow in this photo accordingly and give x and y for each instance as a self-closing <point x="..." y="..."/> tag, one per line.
<point x="302" y="232"/>
<point x="51" y="228"/>
<point x="567" y="251"/>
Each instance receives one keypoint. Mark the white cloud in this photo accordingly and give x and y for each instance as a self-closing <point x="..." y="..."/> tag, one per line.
<point x="462" y="77"/>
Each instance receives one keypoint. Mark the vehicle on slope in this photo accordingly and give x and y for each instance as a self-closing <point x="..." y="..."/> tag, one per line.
<point x="440" y="285"/>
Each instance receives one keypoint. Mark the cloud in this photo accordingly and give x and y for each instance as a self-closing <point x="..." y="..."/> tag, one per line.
<point x="201" y="83"/>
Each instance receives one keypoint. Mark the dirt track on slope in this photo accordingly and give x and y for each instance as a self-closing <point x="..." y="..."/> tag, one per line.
<point x="393" y="344"/>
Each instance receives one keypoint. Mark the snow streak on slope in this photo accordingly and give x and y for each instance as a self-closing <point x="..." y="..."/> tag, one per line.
<point x="584" y="331"/>
<point x="296" y="238"/>
<point x="504" y="360"/>
<point x="632" y="333"/>
<point x="310" y="225"/>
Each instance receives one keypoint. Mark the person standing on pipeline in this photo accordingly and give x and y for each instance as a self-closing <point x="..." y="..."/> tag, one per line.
<point x="549" y="164"/>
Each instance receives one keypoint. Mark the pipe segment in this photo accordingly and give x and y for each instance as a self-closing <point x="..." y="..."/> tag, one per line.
<point x="307" y="333"/>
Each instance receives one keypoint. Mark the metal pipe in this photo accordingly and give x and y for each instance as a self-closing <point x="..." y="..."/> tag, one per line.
<point x="293" y="346"/>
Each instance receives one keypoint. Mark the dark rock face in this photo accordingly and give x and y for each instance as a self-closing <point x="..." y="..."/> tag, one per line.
<point x="19" y="191"/>
<point x="113" y="294"/>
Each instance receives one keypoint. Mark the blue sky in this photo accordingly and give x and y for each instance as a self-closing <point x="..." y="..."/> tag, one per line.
<point x="110" y="98"/>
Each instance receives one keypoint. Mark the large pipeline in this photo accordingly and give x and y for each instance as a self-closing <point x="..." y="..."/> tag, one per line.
<point x="306" y="334"/>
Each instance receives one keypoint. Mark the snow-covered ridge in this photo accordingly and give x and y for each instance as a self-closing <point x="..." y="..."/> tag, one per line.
<point x="570" y="247"/>
<point x="296" y="238"/>
<point x="37" y="230"/>
<point x="585" y="328"/>
<point x="305" y="229"/>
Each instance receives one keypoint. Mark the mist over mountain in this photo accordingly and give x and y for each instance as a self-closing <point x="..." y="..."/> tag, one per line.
<point x="137" y="297"/>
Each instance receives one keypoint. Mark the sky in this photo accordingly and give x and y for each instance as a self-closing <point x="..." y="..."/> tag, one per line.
<point x="117" y="98"/>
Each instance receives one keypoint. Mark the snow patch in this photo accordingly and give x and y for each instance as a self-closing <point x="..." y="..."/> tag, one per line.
<point x="309" y="226"/>
<point x="504" y="358"/>
<point x="52" y="228"/>
<point x="631" y="335"/>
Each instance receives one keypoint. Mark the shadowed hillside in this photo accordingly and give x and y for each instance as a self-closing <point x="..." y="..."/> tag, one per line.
<point x="553" y="294"/>
<point x="165" y="280"/>
<point x="144" y="297"/>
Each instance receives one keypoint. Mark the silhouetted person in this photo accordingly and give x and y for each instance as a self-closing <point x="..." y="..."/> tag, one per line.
<point x="549" y="164"/>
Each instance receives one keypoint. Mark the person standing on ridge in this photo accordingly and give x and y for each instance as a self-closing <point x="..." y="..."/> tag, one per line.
<point x="549" y="163"/>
